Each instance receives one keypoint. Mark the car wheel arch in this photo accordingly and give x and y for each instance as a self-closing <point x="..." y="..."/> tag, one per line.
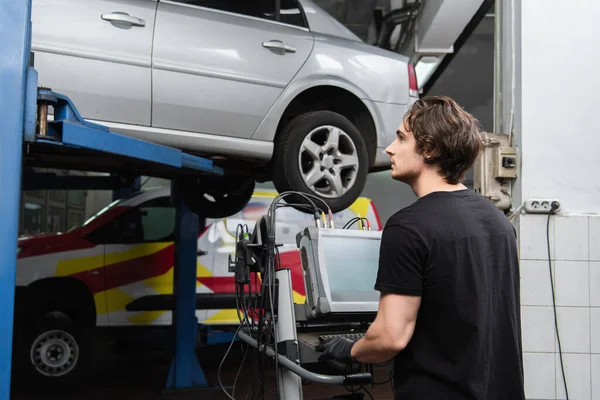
<point x="67" y="295"/>
<point x="272" y="123"/>
<point x="337" y="99"/>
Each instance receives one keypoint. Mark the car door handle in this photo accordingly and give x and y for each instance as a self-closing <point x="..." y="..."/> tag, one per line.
<point x="118" y="16"/>
<point x="278" y="44"/>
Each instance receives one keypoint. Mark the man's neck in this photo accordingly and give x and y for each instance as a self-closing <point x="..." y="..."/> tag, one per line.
<point x="432" y="182"/>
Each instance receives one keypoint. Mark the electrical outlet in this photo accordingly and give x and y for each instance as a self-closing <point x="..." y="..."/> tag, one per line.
<point x="540" y="206"/>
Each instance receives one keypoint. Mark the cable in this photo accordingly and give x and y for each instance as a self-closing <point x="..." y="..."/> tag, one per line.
<point x="365" y="389"/>
<point x="515" y="213"/>
<point x="227" y="230"/>
<point x="554" y="206"/>
<point x="312" y="196"/>
<point x="221" y="364"/>
<point x="239" y="370"/>
<point x="272" y="251"/>
<point x="256" y="317"/>
<point x="349" y="224"/>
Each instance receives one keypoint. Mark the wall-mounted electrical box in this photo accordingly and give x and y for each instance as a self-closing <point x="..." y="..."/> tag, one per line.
<point x="497" y="165"/>
<point x="505" y="162"/>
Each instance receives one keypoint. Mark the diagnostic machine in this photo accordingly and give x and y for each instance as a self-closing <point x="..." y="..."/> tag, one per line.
<point x="340" y="268"/>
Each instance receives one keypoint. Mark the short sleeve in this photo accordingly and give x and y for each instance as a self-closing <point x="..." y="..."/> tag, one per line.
<point x="402" y="256"/>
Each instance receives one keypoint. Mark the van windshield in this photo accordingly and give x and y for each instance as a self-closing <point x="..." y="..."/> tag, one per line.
<point x="102" y="211"/>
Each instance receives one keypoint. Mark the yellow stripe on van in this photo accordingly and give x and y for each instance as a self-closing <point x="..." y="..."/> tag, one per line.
<point x="81" y="264"/>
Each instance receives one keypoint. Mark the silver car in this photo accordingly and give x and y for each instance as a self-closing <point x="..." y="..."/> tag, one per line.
<point x="288" y="95"/>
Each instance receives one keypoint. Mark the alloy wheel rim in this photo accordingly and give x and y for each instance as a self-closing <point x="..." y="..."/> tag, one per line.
<point x="328" y="161"/>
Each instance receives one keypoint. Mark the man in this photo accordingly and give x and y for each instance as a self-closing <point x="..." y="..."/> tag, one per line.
<point x="449" y="312"/>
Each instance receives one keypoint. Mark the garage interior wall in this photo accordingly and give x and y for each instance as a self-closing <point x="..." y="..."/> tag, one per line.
<point x="556" y="82"/>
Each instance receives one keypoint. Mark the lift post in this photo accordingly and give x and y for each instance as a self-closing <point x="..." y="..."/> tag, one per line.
<point x="186" y="371"/>
<point x="15" y="29"/>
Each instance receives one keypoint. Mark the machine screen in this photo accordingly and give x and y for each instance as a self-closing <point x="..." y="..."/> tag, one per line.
<point x="351" y="264"/>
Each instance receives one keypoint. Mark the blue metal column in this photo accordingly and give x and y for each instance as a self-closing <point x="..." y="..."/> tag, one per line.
<point x="186" y="371"/>
<point x="15" y="31"/>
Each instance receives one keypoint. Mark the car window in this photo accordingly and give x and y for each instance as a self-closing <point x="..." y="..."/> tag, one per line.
<point x="152" y="221"/>
<point x="158" y="223"/>
<point x="290" y="10"/>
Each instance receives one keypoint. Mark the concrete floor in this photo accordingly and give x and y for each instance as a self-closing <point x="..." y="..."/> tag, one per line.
<point x="141" y="373"/>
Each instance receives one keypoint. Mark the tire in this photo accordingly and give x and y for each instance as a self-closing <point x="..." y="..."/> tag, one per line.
<point x="218" y="197"/>
<point x="55" y="353"/>
<point x="294" y="164"/>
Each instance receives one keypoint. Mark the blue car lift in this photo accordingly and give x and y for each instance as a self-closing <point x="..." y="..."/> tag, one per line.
<point x="70" y="142"/>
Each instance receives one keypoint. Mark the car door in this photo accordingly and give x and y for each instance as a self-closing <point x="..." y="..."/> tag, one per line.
<point x="139" y="262"/>
<point x="219" y="65"/>
<point x="98" y="53"/>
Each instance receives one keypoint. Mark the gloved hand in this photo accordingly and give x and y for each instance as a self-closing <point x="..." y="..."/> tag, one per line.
<point x="338" y="349"/>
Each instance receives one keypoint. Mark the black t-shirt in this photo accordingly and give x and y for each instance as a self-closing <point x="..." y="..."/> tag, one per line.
<point x="459" y="252"/>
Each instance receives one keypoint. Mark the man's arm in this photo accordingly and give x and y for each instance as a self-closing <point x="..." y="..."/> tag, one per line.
<point x="391" y="331"/>
<point x="400" y="278"/>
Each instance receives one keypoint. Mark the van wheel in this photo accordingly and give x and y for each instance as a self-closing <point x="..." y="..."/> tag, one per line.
<point x="324" y="154"/>
<point x="55" y="353"/>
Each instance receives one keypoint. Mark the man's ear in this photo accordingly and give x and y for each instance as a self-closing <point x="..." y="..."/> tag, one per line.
<point x="429" y="156"/>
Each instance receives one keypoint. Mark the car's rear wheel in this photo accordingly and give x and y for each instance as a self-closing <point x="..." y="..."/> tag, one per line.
<point x="324" y="154"/>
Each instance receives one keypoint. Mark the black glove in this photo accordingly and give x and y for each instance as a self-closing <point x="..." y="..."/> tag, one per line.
<point x="338" y="349"/>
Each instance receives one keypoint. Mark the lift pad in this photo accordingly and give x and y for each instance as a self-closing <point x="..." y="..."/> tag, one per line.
<point x="70" y="142"/>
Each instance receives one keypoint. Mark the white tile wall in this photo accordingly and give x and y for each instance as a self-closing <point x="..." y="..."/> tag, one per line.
<point x="537" y="325"/>
<point x="532" y="242"/>
<point x="578" y="373"/>
<point x="540" y="372"/>
<point x="535" y="283"/>
<point x="575" y="252"/>
<point x="571" y="281"/>
<point x="595" y="369"/>
<point x="594" y="238"/>
<point x="595" y="332"/>
<point x="595" y="283"/>
<point x="572" y="238"/>
<point x="574" y="329"/>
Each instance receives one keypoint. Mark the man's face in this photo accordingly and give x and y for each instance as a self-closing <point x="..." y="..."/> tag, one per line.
<point x="407" y="164"/>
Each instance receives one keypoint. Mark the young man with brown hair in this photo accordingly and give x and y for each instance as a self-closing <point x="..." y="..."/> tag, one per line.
<point x="449" y="312"/>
